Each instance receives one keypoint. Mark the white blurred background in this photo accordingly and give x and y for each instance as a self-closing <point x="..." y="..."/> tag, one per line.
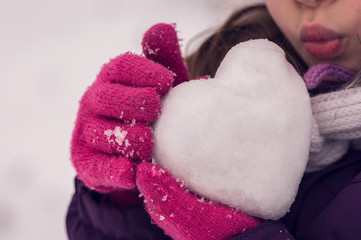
<point x="50" y="52"/>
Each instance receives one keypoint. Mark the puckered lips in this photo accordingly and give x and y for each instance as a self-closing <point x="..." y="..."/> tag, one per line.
<point x="321" y="42"/>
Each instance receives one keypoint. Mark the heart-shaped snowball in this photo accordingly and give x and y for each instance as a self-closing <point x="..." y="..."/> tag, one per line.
<point x="243" y="137"/>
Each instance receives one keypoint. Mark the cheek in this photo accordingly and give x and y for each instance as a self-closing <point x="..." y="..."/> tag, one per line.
<point x="353" y="57"/>
<point x="282" y="12"/>
<point x="349" y="14"/>
<point x="352" y="27"/>
<point x="355" y="4"/>
<point x="274" y="8"/>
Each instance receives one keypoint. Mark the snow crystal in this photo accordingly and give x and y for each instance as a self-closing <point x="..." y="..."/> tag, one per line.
<point x="121" y="150"/>
<point x="241" y="138"/>
<point x="118" y="135"/>
<point x="164" y="198"/>
<point x="201" y="199"/>
<point x="131" y="154"/>
<point x="127" y="144"/>
<point x="151" y="51"/>
<point x="161" y="218"/>
<point x="133" y="123"/>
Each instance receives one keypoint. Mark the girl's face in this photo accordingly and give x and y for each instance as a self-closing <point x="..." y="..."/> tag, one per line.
<point x="321" y="31"/>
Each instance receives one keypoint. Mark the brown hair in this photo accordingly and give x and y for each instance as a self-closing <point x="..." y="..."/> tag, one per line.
<point x="250" y="23"/>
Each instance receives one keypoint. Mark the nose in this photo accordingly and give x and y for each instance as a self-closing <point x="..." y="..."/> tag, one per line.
<point x="309" y="3"/>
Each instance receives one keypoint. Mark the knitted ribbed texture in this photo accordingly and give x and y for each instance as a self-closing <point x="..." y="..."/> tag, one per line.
<point x="314" y="77"/>
<point x="112" y="131"/>
<point x="160" y="43"/>
<point x="337" y="123"/>
<point x="184" y="216"/>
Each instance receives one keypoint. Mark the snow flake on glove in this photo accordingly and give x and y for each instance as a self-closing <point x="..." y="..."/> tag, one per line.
<point x="118" y="135"/>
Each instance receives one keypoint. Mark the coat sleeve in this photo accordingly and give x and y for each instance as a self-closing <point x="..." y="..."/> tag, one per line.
<point x="340" y="218"/>
<point x="269" y="230"/>
<point x="89" y="217"/>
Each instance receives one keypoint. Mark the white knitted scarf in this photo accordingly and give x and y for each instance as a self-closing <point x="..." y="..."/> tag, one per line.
<point x="336" y="126"/>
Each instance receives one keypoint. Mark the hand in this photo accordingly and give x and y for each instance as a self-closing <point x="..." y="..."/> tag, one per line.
<point x="183" y="215"/>
<point x="112" y="131"/>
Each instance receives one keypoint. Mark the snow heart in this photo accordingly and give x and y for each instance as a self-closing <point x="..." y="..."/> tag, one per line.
<point x="243" y="137"/>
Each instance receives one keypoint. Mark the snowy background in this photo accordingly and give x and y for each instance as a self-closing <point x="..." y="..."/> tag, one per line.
<point x="50" y="52"/>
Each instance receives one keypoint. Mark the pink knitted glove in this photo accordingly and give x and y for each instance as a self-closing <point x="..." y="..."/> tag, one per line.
<point x="112" y="131"/>
<point x="160" y="44"/>
<point x="183" y="215"/>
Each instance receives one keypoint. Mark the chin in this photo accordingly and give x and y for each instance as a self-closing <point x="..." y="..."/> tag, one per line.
<point x="350" y="65"/>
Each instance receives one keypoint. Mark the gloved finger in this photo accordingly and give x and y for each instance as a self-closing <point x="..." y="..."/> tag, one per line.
<point x="166" y="192"/>
<point x="180" y="212"/>
<point x="102" y="172"/>
<point x="161" y="44"/>
<point x="137" y="71"/>
<point x="123" y="102"/>
<point x="160" y="192"/>
<point x="131" y="140"/>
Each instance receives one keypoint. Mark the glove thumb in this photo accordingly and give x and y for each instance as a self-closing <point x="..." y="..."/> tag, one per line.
<point x="161" y="45"/>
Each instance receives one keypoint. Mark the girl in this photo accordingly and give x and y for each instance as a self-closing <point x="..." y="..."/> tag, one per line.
<point x="112" y="138"/>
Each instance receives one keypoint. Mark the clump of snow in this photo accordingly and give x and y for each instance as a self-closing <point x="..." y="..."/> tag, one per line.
<point x="118" y="135"/>
<point x="243" y="137"/>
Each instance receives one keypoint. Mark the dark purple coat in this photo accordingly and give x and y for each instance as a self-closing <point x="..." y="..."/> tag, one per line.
<point x="327" y="207"/>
